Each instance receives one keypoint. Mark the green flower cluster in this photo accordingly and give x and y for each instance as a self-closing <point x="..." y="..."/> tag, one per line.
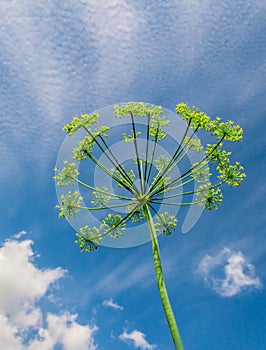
<point x="195" y="144"/>
<point x="165" y="224"/>
<point x="200" y="120"/>
<point x="136" y="213"/>
<point x="85" y="121"/>
<point x="144" y="110"/>
<point x="70" y="204"/>
<point x="67" y="175"/>
<point x="193" y="116"/>
<point x="154" y="174"/>
<point x="113" y="225"/>
<point x="156" y="131"/>
<point x="226" y="130"/>
<point x="231" y="174"/>
<point x="216" y="154"/>
<point x="85" y="146"/>
<point x="200" y="172"/>
<point x="101" y="199"/>
<point x="139" y="109"/>
<point x="161" y="162"/>
<point x="209" y="197"/>
<point x="131" y="138"/>
<point x="88" y="238"/>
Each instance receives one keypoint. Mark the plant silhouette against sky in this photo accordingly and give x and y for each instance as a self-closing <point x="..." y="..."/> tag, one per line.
<point x="147" y="181"/>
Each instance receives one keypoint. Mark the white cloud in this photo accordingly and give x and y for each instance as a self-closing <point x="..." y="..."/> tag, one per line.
<point x="228" y="273"/>
<point x="112" y="304"/>
<point x="24" y="325"/>
<point x="63" y="329"/>
<point x="138" y="339"/>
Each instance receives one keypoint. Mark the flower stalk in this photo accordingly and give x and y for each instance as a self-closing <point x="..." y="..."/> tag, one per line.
<point x="170" y="317"/>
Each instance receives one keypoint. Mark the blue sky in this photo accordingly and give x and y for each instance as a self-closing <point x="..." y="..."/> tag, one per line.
<point x="61" y="59"/>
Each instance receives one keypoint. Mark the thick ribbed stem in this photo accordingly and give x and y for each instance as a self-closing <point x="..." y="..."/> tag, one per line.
<point x="161" y="284"/>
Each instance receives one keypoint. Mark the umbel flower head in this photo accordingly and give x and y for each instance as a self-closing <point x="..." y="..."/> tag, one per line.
<point x="148" y="180"/>
<point x="146" y="186"/>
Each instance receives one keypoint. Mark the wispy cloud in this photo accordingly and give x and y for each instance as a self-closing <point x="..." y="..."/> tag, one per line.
<point x="121" y="278"/>
<point x="23" y="323"/>
<point x="36" y="67"/>
<point x="19" y="234"/>
<point x="112" y="304"/>
<point x="138" y="339"/>
<point x="119" y="29"/>
<point x="228" y="273"/>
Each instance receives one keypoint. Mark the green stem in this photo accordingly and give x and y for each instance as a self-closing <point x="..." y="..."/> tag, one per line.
<point x="147" y="152"/>
<point x="161" y="284"/>
<point x="136" y="150"/>
<point x="152" y="155"/>
<point x="178" y="204"/>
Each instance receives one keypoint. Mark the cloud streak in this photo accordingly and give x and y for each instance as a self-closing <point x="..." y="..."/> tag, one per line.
<point x="112" y="304"/>
<point x="228" y="273"/>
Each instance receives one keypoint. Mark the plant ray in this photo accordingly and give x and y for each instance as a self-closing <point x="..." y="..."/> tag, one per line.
<point x="153" y="153"/>
<point x="147" y="153"/>
<point x="136" y="150"/>
<point x="108" y="172"/>
<point x="102" y="191"/>
<point x="164" y="171"/>
<point x="115" y="163"/>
